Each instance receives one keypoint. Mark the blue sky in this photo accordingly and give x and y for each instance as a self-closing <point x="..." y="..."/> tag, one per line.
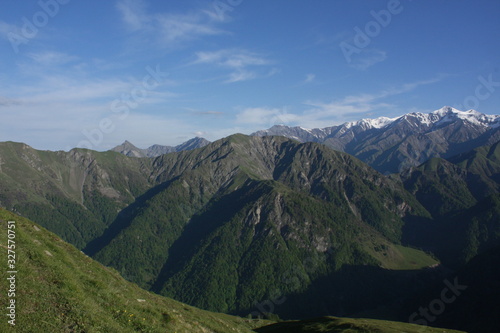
<point x="95" y="73"/>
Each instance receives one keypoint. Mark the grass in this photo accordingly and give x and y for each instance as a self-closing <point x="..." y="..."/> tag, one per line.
<point x="413" y="258"/>
<point x="396" y="257"/>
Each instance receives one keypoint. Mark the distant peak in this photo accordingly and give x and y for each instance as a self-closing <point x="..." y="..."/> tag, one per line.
<point x="379" y="122"/>
<point x="447" y="110"/>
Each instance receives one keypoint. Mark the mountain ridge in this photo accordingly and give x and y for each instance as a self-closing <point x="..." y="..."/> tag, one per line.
<point x="286" y="200"/>
<point x="391" y="145"/>
<point x="249" y="219"/>
<point x="129" y="149"/>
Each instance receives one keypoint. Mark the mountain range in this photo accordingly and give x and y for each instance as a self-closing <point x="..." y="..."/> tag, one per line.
<point x="129" y="149"/>
<point x="391" y="145"/>
<point x="266" y="225"/>
<point x="176" y="216"/>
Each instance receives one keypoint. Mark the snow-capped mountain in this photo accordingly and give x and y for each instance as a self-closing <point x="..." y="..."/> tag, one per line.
<point x="393" y="144"/>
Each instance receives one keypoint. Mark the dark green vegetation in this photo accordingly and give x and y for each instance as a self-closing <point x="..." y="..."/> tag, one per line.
<point x="59" y="289"/>
<point x="477" y="305"/>
<point x="228" y="226"/>
<point x="463" y="197"/>
<point x="264" y="225"/>
<point x="75" y="194"/>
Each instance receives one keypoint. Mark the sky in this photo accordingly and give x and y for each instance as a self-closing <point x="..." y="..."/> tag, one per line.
<point x="95" y="73"/>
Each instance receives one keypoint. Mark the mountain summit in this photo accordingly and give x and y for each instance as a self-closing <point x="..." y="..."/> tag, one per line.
<point x="394" y="144"/>
<point x="130" y="150"/>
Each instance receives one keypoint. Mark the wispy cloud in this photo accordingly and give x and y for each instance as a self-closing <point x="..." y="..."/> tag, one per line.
<point x="6" y="29"/>
<point x="355" y="105"/>
<point x="367" y="58"/>
<point x="166" y="30"/>
<point x="4" y="101"/>
<point x="209" y="113"/>
<point x="51" y="105"/>
<point x="241" y="63"/>
<point x="310" y="78"/>
<point x="231" y="58"/>
<point x="264" y="116"/>
<point x="48" y="58"/>
<point x="322" y="114"/>
<point x="133" y="13"/>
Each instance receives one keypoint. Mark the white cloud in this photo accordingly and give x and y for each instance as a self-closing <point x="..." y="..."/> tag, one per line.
<point x="240" y="75"/>
<point x="237" y="61"/>
<point x="144" y="130"/>
<point x="257" y="116"/>
<point x="51" y="109"/>
<point x="231" y="58"/>
<point x="264" y="116"/>
<point x="48" y="58"/>
<point x="310" y="78"/>
<point x="165" y="29"/>
<point x="133" y="13"/>
<point x="367" y="58"/>
<point x="184" y="27"/>
<point x="351" y="106"/>
<point x="4" y="101"/>
<point x="321" y="114"/>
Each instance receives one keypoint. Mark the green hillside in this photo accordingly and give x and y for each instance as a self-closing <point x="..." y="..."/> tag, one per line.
<point x="223" y="226"/>
<point x="462" y="195"/>
<point x="75" y="194"/>
<point x="229" y="221"/>
<point x="59" y="289"/>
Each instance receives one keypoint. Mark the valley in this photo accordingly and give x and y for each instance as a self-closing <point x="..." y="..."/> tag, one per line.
<point x="264" y="226"/>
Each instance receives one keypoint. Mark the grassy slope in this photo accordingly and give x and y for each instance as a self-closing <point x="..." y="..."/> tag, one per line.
<point x="59" y="289"/>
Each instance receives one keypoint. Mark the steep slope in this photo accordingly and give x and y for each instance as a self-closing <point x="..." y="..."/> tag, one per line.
<point x="228" y="221"/>
<point x="222" y="227"/>
<point x="59" y="289"/>
<point x="392" y="145"/>
<point x="128" y="149"/>
<point x="462" y="196"/>
<point x="188" y="145"/>
<point x="485" y="163"/>
<point x="75" y="194"/>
